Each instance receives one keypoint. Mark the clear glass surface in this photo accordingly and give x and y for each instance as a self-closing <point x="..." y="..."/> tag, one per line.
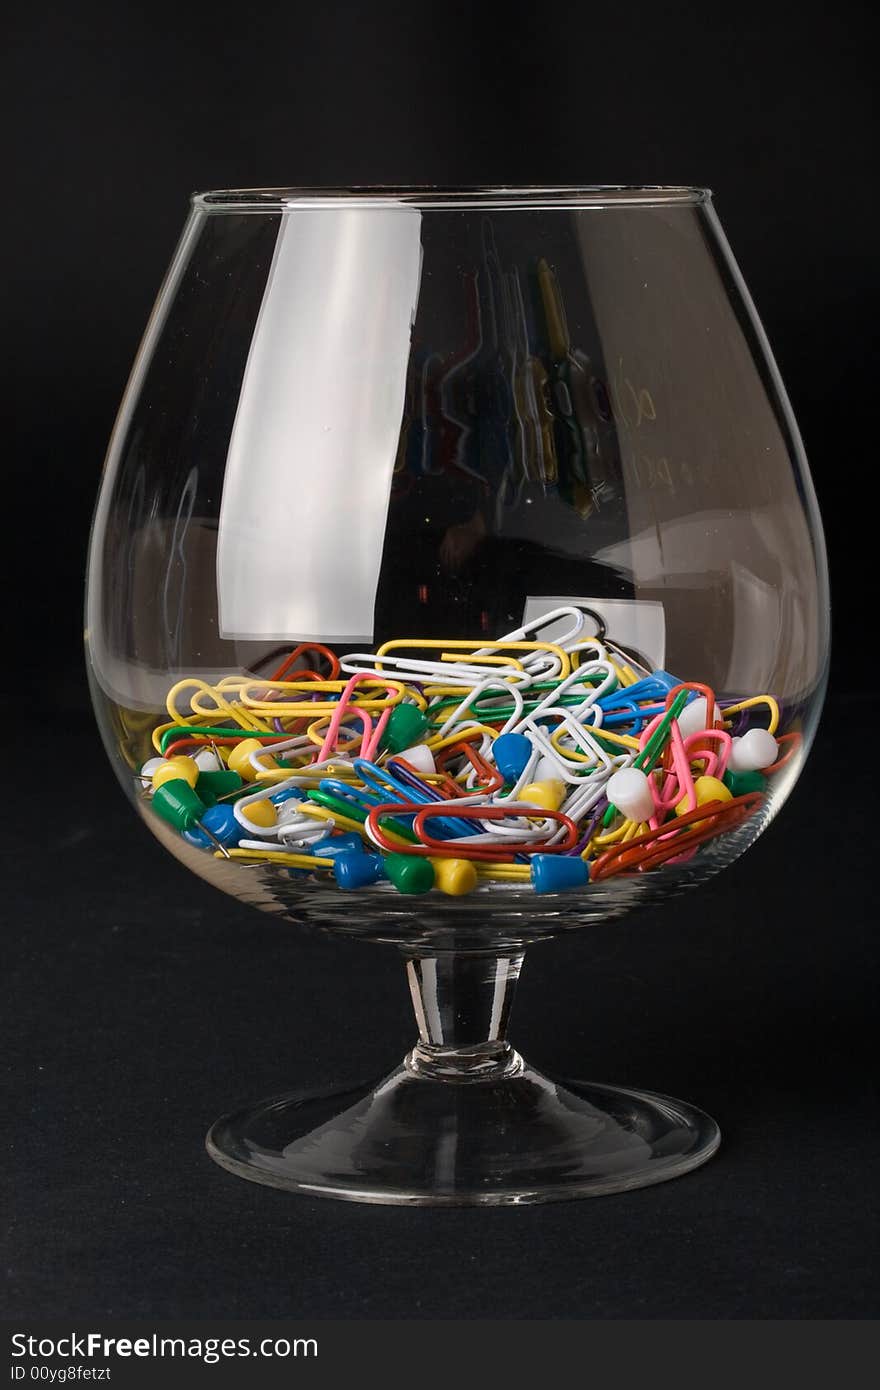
<point x="429" y="415"/>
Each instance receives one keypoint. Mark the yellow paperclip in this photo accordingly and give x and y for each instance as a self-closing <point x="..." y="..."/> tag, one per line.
<point x="416" y="696"/>
<point x="345" y="823"/>
<point x="767" y="700"/>
<point x="318" y="729"/>
<point x="476" y="660"/>
<point x="160" y="729"/>
<point x="625" y="674"/>
<point x="221" y="705"/>
<point x="624" y="832"/>
<point x="513" y="873"/>
<point x="278" y="856"/>
<point x="576" y="756"/>
<point x="433" y="643"/>
<point x="268" y="776"/>
<point x="232" y="710"/>
<point x="253" y="702"/>
<point x="465" y="732"/>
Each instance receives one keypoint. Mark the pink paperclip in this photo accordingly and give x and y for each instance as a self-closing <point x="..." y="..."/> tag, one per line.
<point x="370" y="740"/>
<point x="715" y="766"/>
<point x="683" y="753"/>
<point x="679" y="777"/>
<point x="716" y="763"/>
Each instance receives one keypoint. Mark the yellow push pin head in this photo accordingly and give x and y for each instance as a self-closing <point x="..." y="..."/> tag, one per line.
<point x="549" y="795"/>
<point x="706" y="789"/>
<point x="454" y="876"/>
<point x="180" y="768"/>
<point x="240" y="759"/>
<point x="261" y="813"/>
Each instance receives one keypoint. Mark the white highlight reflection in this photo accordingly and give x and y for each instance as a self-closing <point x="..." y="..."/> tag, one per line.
<point x="308" y="473"/>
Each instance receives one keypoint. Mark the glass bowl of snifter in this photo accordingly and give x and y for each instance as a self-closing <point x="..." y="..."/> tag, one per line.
<point x="457" y="581"/>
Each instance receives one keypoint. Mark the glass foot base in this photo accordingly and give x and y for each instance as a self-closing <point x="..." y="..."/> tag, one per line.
<point x="428" y="1142"/>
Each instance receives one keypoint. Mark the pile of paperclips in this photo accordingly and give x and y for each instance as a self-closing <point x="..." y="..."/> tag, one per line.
<point x="443" y="764"/>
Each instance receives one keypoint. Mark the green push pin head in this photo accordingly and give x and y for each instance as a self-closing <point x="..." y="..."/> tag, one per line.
<point x="216" y="786"/>
<point x="740" y="783"/>
<point x="406" y="726"/>
<point x="176" y="802"/>
<point x="409" y="873"/>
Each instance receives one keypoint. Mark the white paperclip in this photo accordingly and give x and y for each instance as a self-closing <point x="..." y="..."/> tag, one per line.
<point x="439" y="672"/>
<point x="304" y="777"/>
<point x="575" y="678"/>
<point x="528" y="632"/>
<point x="583" y="799"/>
<point x="521" y="830"/>
<point x="298" y="828"/>
<point x="490" y="683"/>
<point x="600" y="651"/>
<point x="589" y="779"/>
<point x="298" y="744"/>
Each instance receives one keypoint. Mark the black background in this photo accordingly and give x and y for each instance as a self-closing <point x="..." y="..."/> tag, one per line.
<point x="141" y="1003"/>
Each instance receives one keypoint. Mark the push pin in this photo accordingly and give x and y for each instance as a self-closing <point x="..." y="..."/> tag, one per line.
<point x="177" y="803"/>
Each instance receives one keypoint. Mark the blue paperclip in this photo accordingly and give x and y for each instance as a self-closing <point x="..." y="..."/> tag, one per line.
<point x="423" y="791"/>
<point x="629" y="712"/>
<point x="405" y="786"/>
<point x="653" y="687"/>
<point x="364" y="799"/>
<point x="287" y="794"/>
<point x="417" y="789"/>
<point x="389" y="786"/>
<point x="626" y="704"/>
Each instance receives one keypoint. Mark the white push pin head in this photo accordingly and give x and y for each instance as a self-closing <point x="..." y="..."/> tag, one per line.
<point x="207" y="761"/>
<point x="149" y="767"/>
<point x="420" y="757"/>
<point x="546" y="770"/>
<point x="694" y="718"/>
<point x="755" y="750"/>
<point x="630" y="791"/>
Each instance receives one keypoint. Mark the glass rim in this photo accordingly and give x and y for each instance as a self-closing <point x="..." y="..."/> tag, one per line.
<point x="534" y="196"/>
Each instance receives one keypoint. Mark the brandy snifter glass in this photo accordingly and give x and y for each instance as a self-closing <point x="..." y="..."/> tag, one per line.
<point x="457" y="420"/>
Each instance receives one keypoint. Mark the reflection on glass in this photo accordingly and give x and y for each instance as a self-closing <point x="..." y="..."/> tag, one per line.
<point x="318" y="418"/>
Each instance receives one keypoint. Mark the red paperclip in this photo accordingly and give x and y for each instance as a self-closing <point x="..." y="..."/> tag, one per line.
<point x="704" y="690"/>
<point x="299" y="651"/>
<point x="490" y="778"/>
<point x="442" y="782"/>
<point x="674" y="837"/>
<point x="795" y="740"/>
<point x="461" y="848"/>
<point x="457" y="847"/>
<point x="205" y="740"/>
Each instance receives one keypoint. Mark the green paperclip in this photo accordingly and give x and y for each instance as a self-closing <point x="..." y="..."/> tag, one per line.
<point x="438" y="711"/>
<point x="650" y="754"/>
<point x="355" y="812"/>
<point x="218" y="731"/>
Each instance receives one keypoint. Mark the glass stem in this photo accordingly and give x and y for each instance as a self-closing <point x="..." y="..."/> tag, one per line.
<point x="462" y="1004"/>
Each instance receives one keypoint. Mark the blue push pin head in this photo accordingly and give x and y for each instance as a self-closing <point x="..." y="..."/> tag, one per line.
<point x="358" y="870"/>
<point x="511" y="753"/>
<point x="555" y="873"/>
<point x="331" y="846"/>
<point x="221" y="822"/>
